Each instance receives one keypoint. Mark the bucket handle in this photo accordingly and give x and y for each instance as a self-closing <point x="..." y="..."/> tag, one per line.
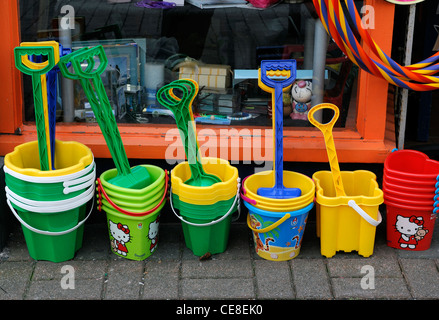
<point x="80" y="183"/>
<point x="47" y="206"/>
<point x="364" y="214"/>
<point x="270" y="227"/>
<point x="214" y="221"/>
<point x="49" y="233"/>
<point x="115" y="206"/>
<point x="243" y="192"/>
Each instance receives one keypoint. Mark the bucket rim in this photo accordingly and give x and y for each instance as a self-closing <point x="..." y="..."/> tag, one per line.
<point x="69" y="178"/>
<point x="101" y="190"/>
<point x="254" y="196"/>
<point x="410" y="202"/>
<point x="416" y="176"/>
<point x="83" y="162"/>
<point x="408" y="183"/>
<point x="300" y="211"/>
<point x="134" y="192"/>
<point x="212" y="222"/>
<point x="413" y="208"/>
<point x="412" y="197"/>
<point x="407" y="188"/>
<point x="335" y="201"/>
<point x="210" y="189"/>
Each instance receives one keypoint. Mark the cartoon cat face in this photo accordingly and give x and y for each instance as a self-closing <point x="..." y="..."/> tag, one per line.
<point x="301" y="91"/>
<point x="404" y="226"/>
<point x="153" y="229"/>
<point x="119" y="232"/>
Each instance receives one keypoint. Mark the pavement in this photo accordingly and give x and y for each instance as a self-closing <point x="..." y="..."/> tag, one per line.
<point x="174" y="273"/>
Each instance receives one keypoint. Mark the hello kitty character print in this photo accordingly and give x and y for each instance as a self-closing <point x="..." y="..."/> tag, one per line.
<point x="121" y="236"/>
<point x="411" y="231"/>
<point x="153" y="234"/>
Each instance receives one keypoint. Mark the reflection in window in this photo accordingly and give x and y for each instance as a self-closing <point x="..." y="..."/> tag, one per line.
<point x="221" y="48"/>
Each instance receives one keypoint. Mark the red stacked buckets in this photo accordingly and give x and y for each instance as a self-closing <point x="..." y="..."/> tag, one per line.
<point x="411" y="187"/>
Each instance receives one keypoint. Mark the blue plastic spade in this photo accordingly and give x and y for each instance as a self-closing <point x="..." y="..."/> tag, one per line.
<point x="275" y="76"/>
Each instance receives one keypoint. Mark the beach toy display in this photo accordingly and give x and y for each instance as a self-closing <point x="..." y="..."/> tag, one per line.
<point x="350" y="38"/>
<point x="90" y="77"/>
<point x="278" y="201"/>
<point x="204" y="191"/>
<point x="51" y="205"/>
<point x="411" y="188"/>
<point x="133" y="215"/>
<point x="347" y="202"/>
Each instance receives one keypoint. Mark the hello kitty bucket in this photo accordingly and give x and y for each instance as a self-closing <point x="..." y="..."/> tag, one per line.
<point x="409" y="227"/>
<point x="133" y="226"/>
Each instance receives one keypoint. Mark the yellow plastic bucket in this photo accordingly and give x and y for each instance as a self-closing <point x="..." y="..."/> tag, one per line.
<point x="347" y="223"/>
<point x="292" y="179"/>
<point x="224" y="190"/>
<point x="70" y="157"/>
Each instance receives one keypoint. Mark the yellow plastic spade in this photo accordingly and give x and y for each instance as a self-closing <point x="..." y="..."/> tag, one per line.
<point x="326" y="129"/>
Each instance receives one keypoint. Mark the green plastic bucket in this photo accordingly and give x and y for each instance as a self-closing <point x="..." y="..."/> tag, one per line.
<point x="53" y="230"/>
<point x="50" y="188"/>
<point x="136" y="199"/>
<point x="202" y="211"/>
<point x="207" y="235"/>
<point x="133" y="237"/>
<point x="133" y="226"/>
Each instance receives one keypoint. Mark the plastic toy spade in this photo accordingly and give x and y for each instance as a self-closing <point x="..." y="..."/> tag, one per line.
<point x="134" y="178"/>
<point x="51" y="82"/>
<point x="181" y="108"/>
<point x="276" y="76"/>
<point x="38" y="71"/>
<point x="326" y="129"/>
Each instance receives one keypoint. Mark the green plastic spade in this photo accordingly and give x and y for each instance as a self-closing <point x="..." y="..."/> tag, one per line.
<point x="134" y="178"/>
<point x="181" y="108"/>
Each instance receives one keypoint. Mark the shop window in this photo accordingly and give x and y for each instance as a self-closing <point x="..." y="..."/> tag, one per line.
<point x="149" y="47"/>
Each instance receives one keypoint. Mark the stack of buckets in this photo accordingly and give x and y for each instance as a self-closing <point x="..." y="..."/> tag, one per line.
<point x="278" y="225"/>
<point x="410" y="185"/>
<point x="133" y="215"/>
<point x="51" y="205"/>
<point x="206" y="212"/>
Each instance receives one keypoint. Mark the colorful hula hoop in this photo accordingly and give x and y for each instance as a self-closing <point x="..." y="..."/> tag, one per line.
<point x="418" y="76"/>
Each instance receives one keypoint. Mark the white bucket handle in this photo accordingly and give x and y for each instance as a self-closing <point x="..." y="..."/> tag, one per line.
<point x="48" y="206"/>
<point x="79" y="184"/>
<point x="49" y="233"/>
<point x="55" y="179"/>
<point x="211" y="222"/>
<point x="364" y="214"/>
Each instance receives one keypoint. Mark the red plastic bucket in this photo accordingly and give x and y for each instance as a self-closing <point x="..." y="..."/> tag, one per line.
<point x="412" y="183"/>
<point x="410" y="196"/>
<point x="409" y="228"/>
<point x="406" y="189"/>
<point x="411" y="165"/>
<point x="406" y="202"/>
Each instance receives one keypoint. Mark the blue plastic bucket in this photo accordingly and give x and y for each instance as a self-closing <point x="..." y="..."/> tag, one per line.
<point x="277" y="235"/>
